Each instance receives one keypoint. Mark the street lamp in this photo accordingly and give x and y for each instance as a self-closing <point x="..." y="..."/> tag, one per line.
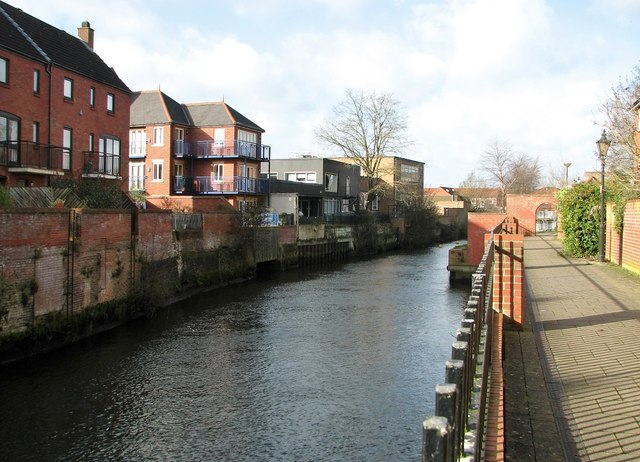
<point x="566" y="175"/>
<point x="603" y="147"/>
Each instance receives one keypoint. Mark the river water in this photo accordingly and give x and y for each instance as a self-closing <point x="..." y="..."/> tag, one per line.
<point x="331" y="364"/>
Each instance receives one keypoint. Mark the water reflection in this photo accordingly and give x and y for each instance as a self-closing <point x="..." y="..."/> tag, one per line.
<point x="334" y="364"/>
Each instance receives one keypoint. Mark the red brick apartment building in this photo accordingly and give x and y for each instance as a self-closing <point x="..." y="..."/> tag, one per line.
<point x="64" y="113"/>
<point x="192" y="155"/>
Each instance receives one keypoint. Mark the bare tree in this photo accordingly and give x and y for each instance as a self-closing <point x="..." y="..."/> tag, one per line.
<point x="473" y="181"/>
<point x="619" y="111"/>
<point x="366" y="128"/>
<point x="511" y="171"/>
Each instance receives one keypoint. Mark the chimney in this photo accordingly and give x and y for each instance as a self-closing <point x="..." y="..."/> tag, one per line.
<point x="85" y="33"/>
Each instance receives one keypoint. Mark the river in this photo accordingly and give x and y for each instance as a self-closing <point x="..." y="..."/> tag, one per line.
<point x="333" y="364"/>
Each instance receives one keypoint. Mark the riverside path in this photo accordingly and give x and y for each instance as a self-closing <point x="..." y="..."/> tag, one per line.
<point x="572" y="374"/>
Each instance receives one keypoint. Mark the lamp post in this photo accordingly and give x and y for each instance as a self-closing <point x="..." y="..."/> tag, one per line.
<point x="603" y="147"/>
<point x="566" y="174"/>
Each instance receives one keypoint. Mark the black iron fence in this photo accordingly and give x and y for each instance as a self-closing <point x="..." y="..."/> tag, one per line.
<point x="27" y="154"/>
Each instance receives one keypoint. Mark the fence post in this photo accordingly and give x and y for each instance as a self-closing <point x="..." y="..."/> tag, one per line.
<point x="454" y="373"/>
<point x="435" y="433"/>
<point x="446" y="406"/>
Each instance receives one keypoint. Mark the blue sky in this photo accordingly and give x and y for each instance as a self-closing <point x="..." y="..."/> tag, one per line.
<point x="532" y="73"/>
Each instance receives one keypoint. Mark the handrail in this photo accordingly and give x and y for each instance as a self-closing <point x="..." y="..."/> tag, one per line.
<point x="458" y="426"/>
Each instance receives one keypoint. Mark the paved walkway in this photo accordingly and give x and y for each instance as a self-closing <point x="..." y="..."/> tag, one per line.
<point x="572" y="375"/>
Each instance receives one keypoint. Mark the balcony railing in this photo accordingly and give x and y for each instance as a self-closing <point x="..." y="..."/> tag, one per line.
<point x="137" y="149"/>
<point x="101" y="163"/>
<point x="25" y="154"/>
<point x="211" y="149"/>
<point x="206" y="185"/>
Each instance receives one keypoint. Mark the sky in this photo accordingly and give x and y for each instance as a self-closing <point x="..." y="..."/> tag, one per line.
<point x="465" y="73"/>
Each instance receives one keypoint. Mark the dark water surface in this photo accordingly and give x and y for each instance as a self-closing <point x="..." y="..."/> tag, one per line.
<point x="335" y="364"/>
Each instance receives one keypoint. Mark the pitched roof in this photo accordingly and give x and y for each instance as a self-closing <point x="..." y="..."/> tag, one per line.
<point x="155" y="107"/>
<point x="218" y="114"/>
<point x="35" y="39"/>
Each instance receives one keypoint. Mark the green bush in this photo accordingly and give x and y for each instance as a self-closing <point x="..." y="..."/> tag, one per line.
<point x="579" y="208"/>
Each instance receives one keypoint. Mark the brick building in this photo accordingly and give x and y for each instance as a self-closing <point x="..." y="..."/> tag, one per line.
<point x="64" y="113"/>
<point x="179" y="153"/>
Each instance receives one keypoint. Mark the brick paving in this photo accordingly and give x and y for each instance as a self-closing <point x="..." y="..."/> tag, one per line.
<point x="572" y="373"/>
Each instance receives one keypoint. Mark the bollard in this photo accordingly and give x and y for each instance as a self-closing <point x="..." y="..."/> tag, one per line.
<point x="435" y="433"/>
<point x="446" y="402"/>
<point x="454" y="373"/>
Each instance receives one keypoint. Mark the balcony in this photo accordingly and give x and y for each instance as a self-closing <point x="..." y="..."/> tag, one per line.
<point x="101" y="164"/>
<point x="137" y="149"/>
<point x="198" y="185"/>
<point x="29" y="157"/>
<point x="214" y="149"/>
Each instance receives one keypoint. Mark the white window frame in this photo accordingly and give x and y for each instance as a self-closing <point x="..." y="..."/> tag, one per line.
<point x="137" y="143"/>
<point x="179" y="169"/>
<point x="36" y="81"/>
<point x="217" y="173"/>
<point x="136" y="176"/>
<point x="157" y="167"/>
<point x="111" y="102"/>
<point x="348" y="186"/>
<point x="218" y="136"/>
<point x="158" y="136"/>
<point x="68" y="88"/>
<point x="179" y="145"/>
<point x="4" y="70"/>
<point x="301" y="177"/>
<point x="92" y="96"/>
<point x="67" y="146"/>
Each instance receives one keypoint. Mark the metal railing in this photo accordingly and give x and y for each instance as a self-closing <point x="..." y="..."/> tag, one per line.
<point x="458" y="426"/>
<point x="101" y="163"/>
<point x="187" y="220"/>
<point x="195" y="185"/>
<point x="26" y="154"/>
<point x="212" y="148"/>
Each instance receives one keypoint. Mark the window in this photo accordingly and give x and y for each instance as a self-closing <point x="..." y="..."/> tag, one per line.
<point x="111" y="101"/>
<point x="179" y="148"/>
<point x="247" y="143"/>
<point x="4" y="70"/>
<point x="331" y="182"/>
<point x="36" y="81"/>
<point x="179" y="169"/>
<point x="92" y="97"/>
<point x="66" y="148"/>
<point x="158" y="136"/>
<point x="68" y="88"/>
<point x="218" y="137"/>
<point x="136" y="176"/>
<point x="137" y="143"/>
<point x="91" y="140"/>
<point x="9" y="137"/>
<point x="218" y="173"/>
<point x="109" y="156"/>
<point x="157" y="170"/>
<point x="345" y="205"/>
<point x="36" y="132"/>
<point x="348" y="186"/>
<point x="409" y="173"/>
<point x="303" y="177"/>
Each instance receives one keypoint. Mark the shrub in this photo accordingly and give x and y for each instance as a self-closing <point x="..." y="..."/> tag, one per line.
<point x="579" y="208"/>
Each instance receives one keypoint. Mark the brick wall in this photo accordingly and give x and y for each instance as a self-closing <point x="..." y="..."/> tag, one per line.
<point x="97" y="254"/>
<point x="524" y="207"/>
<point x="508" y="276"/>
<point x="478" y="225"/>
<point x="624" y="250"/>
